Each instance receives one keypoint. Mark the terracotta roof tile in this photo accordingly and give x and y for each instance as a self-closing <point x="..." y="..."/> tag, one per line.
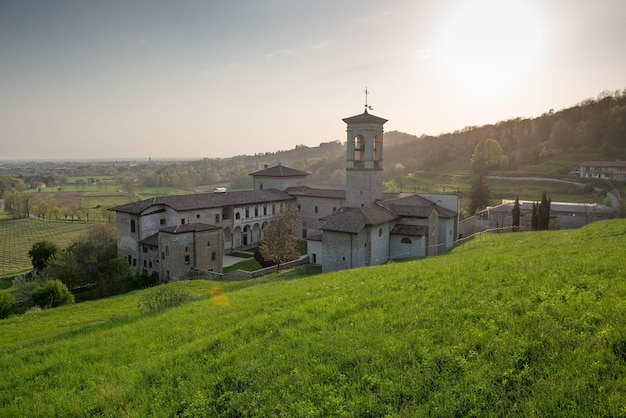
<point x="279" y="171"/>
<point x="206" y="200"/>
<point x="193" y="227"/>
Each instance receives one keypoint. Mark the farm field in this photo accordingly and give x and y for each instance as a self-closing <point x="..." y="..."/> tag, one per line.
<point x="516" y="325"/>
<point x="17" y="236"/>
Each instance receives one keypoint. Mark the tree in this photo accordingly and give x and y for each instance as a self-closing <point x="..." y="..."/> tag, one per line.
<point x="6" y="303"/>
<point x="488" y="154"/>
<point x="516" y="215"/>
<point x="543" y="213"/>
<point x="95" y="248"/>
<point x="118" y="278"/>
<point x="279" y="243"/>
<point x="52" y="294"/>
<point x="65" y="267"/>
<point x="41" y="252"/>
<point x="479" y="193"/>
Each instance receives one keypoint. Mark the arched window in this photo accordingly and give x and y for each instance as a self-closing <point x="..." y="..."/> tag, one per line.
<point x="406" y="240"/>
<point x="132" y="226"/>
<point x="237" y="215"/>
<point x="359" y="148"/>
<point x="380" y="232"/>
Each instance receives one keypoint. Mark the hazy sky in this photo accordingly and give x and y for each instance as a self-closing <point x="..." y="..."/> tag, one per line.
<point x="207" y="78"/>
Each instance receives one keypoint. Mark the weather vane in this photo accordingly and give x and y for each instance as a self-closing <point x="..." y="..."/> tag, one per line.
<point x="366" y="106"/>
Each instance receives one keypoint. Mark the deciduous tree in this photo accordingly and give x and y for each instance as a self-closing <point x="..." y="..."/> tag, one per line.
<point x="279" y="242"/>
<point x="41" y="252"/>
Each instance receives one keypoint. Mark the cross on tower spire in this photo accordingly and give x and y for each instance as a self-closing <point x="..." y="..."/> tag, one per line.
<point x="366" y="106"/>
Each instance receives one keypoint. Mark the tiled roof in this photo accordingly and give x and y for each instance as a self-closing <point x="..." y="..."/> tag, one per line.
<point x="279" y="171"/>
<point x="194" y="227"/>
<point x="312" y="192"/>
<point x="364" y="118"/>
<point x="416" y="206"/>
<point x="206" y="200"/>
<point x="411" y="230"/>
<point x="353" y="220"/>
<point x="152" y="240"/>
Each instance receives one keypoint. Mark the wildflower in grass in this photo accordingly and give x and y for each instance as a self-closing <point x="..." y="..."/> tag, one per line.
<point x="218" y="297"/>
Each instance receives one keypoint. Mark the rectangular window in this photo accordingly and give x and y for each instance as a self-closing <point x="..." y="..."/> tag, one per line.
<point x="198" y="216"/>
<point x="162" y="221"/>
<point x="213" y="256"/>
<point x="134" y="262"/>
<point x="187" y="259"/>
<point x="217" y="218"/>
<point x="182" y="221"/>
<point x="316" y="209"/>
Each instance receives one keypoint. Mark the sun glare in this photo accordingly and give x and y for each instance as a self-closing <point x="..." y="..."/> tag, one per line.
<point x="489" y="44"/>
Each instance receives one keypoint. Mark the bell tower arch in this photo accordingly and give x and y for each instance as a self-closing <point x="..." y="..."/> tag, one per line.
<point x="364" y="159"/>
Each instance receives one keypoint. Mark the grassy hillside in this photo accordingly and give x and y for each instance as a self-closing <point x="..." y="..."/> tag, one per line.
<point x="528" y="324"/>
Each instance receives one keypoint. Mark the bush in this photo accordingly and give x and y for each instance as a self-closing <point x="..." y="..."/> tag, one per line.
<point x="52" y="294"/>
<point x="261" y="260"/>
<point x="6" y="303"/>
<point x="163" y="297"/>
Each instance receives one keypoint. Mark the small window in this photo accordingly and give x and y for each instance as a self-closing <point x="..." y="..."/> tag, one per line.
<point x="162" y="221"/>
<point x="237" y="215"/>
<point x="186" y="249"/>
<point x="134" y="262"/>
<point x="145" y="263"/>
<point x="130" y="259"/>
<point x="316" y="209"/>
<point x="182" y="221"/>
<point x="217" y="218"/>
<point x="247" y="213"/>
<point x="406" y="240"/>
<point x="264" y="210"/>
<point x="132" y="226"/>
<point x="208" y="244"/>
<point x="167" y="250"/>
<point x="198" y="216"/>
<point x="256" y="211"/>
<point x="380" y="232"/>
<point x="187" y="259"/>
<point x="213" y="256"/>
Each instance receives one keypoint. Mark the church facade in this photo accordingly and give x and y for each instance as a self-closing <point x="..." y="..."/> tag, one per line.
<point x="171" y="236"/>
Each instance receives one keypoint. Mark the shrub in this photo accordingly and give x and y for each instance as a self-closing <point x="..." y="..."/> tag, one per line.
<point x="6" y="303"/>
<point x="52" y="294"/>
<point x="163" y="297"/>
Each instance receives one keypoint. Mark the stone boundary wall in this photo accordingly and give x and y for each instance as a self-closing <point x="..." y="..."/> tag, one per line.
<point x="239" y="275"/>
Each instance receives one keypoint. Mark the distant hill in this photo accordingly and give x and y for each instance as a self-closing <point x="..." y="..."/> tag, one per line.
<point x="517" y="325"/>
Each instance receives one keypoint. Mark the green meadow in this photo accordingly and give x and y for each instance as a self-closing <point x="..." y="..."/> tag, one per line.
<point x="517" y="325"/>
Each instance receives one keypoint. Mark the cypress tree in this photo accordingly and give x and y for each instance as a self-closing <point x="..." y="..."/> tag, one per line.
<point x="543" y="213"/>
<point x="516" y="215"/>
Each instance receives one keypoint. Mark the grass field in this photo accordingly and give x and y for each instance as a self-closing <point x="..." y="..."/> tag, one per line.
<point x="17" y="236"/>
<point x="516" y="325"/>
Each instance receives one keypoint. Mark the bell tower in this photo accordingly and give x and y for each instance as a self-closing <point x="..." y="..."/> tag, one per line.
<point x="364" y="158"/>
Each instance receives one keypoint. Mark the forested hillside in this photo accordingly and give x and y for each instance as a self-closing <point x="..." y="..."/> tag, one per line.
<point x="598" y="124"/>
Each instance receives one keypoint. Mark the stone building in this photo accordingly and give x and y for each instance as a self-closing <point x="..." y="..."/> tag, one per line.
<point x="172" y="235"/>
